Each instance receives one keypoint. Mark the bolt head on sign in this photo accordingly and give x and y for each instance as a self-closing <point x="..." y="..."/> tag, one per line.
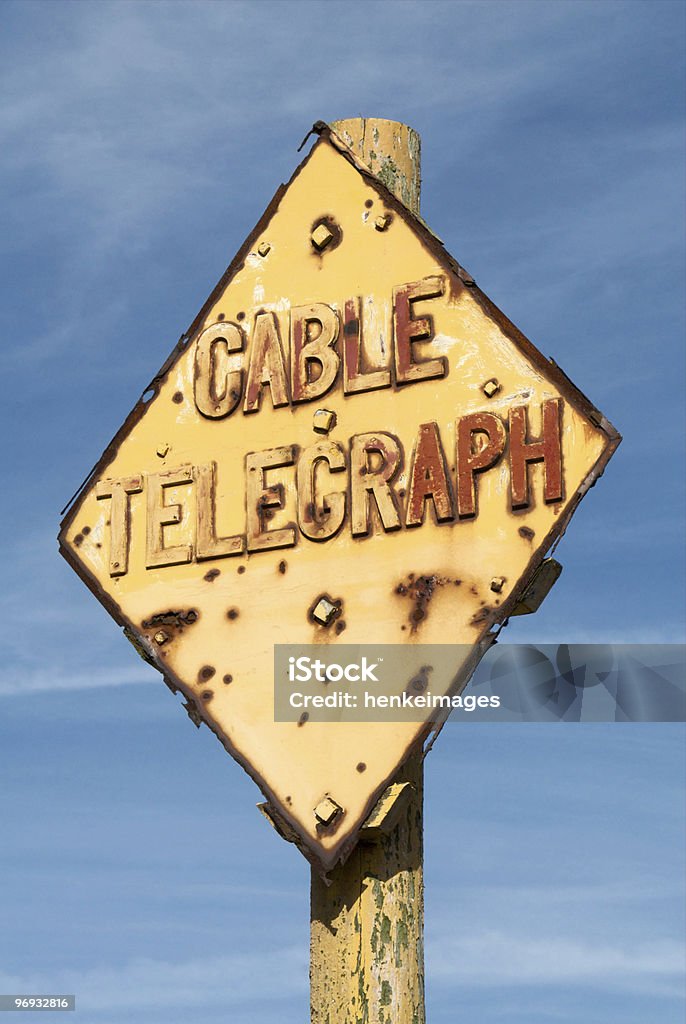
<point x="349" y="445"/>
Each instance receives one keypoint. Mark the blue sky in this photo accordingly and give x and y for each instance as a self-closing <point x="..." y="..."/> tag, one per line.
<point x="141" y="142"/>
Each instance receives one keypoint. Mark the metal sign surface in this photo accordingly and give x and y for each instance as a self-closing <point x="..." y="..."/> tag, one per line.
<point x="350" y="444"/>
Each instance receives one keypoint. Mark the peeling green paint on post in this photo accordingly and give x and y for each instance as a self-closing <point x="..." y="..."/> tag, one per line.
<point x="367" y="951"/>
<point x="385" y="929"/>
<point x="390" y="149"/>
<point x="388" y="173"/>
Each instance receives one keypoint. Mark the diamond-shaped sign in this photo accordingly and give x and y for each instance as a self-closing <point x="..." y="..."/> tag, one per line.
<point x="351" y="444"/>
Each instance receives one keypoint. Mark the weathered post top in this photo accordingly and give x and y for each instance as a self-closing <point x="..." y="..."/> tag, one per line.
<point x="391" y="149"/>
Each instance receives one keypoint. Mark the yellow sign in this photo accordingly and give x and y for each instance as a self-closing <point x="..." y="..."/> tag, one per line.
<point x="351" y="445"/>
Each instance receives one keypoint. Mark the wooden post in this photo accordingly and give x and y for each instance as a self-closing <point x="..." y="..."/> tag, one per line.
<point x="390" y="149"/>
<point x="367" y="926"/>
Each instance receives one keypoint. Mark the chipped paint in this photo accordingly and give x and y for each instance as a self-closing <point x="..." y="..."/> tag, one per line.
<point x="364" y="568"/>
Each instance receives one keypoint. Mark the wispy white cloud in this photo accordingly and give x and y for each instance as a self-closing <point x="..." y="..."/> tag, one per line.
<point x="488" y="958"/>
<point x="54" y="633"/>
<point x="132" y="126"/>
<point x="187" y="987"/>
<point x="495" y="958"/>
<point x="608" y="934"/>
<point x="43" y="680"/>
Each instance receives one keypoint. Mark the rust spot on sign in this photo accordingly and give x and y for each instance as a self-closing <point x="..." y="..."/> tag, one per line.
<point x="420" y="682"/>
<point x="526" y="532"/>
<point x="205" y="673"/>
<point x="232" y="614"/>
<point x="177" y="397"/>
<point x="174" y="621"/>
<point x="420" y="590"/>
<point x="283" y="565"/>
<point x="481" y="616"/>
<point x="211" y="575"/>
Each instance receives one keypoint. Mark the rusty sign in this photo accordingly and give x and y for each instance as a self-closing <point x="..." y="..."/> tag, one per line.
<point x="351" y="444"/>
